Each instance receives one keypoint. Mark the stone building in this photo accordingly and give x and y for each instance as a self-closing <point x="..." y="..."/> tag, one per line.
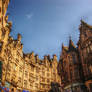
<point x="75" y="67"/>
<point x="19" y="70"/>
<point x="85" y="52"/>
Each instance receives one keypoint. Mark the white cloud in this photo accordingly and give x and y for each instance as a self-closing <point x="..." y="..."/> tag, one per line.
<point x="29" y="16"/>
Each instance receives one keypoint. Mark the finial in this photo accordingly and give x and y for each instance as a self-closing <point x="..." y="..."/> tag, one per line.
<point x="19" y="37"/>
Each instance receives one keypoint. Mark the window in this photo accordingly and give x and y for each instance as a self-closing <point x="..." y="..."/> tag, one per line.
<point x="48" y="74"/>
<point x="76" y="72"/>
<point x="90" y="67"/>
<point x="1" y="43"/>
<point x="36" y="77"/>
<point x="71" y="74"/>
<point x="36" y="85"/>
<point x="47" y="69"/>
<point x="0" y="9"/>
<point x="43" y="73"/>
<point x="26" y="73"/>
<point x="90" y="87"/>
<point x="3" y="33"/>
<point x="9" y="68"/>
<point x="64" y="63"/>
<point x="8" y="74"/>
<point x="19" y="80"/>
<point x="20" y="69"/>
<point x="25" y="83"/>
<point x="85" y="34"/>
<point x="0" y="69"/>
<point x="32" y="68"/>
<point x="48" y="80"/>
<point x="15" y="67"/>
<point x="43" y="79"/>
<point x="31" y="75"/>
<point x="74" y="58"/>
<point x="70" y="60"/>
<point x="88" y="50"/>
<point x="91" y="47"/>
<point x="17" y="61"/>
<point x="43" y="86"/>
<point x="37" y="70"/>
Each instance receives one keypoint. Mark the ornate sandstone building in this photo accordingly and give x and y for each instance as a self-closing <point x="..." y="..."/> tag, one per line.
<point x="75" y="65"/>
<point x="23" y="71"/>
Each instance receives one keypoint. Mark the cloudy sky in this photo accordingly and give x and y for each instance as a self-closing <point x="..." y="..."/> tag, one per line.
<point x="46" y="24"/>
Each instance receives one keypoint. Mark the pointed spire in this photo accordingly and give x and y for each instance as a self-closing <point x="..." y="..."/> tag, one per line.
<point x="71" y="44"/>
<point x="62" y="45"/>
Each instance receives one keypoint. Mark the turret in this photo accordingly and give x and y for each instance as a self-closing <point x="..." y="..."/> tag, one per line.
<point x="54" y="57"/>
<point x="19" y="37"/>
<point x="71" y="45"/>
<point x="37" y="58"/>
<point x="45" y="60"/>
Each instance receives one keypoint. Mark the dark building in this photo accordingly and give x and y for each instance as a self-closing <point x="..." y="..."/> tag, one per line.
<point x="75" y="65"/>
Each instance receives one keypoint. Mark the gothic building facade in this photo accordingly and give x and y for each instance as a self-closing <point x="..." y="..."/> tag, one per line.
<point x="20" y="71"/>
<point x="25" y="71"/>
<point x="75" y="67"/>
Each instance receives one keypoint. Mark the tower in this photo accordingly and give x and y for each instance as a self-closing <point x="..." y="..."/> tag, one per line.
<point x="3" y="11"/>
<point x="85" y="52"/>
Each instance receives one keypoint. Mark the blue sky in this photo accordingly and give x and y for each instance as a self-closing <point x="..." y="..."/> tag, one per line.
<point x="46" y="24"/>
